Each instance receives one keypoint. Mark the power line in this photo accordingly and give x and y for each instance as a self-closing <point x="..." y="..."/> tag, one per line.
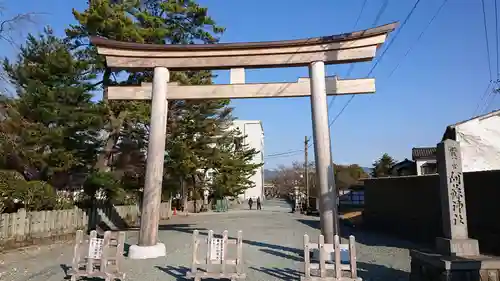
<point x="486" y="94"/>
<point x="436" y="14"/>
<point x="380" y="12"/>
<point x="375" y="22"/>
<point x="360" y="13"/>
<point x="284" y="153"/>
<point x="483" y="96"/>
<point x="493" y="94"/>
<point x="498" y="38"/>
<point x="379" y="59"/>
<point x="351" y="66"/>
<point x="395" y="36"/>
<point x="486" y="39"/>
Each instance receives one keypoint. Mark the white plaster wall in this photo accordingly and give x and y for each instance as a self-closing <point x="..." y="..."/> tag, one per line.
<point x="480" y="144"/>
<point x="255" y="139"/>
<point x="421" y="162"/>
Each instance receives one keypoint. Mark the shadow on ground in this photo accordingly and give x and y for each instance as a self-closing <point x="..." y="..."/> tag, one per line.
<point x="367" y="272"/>
<point x="188" y="228"/>
<point x="179" y="272"/>
<point x="279" y="273"/>
<point x="66" y="269"/>
<point x="366" y="237"/>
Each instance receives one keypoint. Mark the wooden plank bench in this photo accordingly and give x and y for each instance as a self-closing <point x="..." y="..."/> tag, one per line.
<point x="98" y="257"/>
<point x="338" y="269"/>
<point x="217" y="264"/>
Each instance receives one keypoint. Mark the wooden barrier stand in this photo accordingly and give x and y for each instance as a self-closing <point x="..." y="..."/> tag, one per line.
<point x="340" y="267"/>
<point x="217" y="264"/>
<point x="98" y="257"/>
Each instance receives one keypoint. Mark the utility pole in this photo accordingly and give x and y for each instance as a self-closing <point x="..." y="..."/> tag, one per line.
<point x="306" y="170"/>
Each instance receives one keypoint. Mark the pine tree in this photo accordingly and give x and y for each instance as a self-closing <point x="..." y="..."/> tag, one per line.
<point x="159" y="22"/>
<point x="52" y="125"/>
<point x="382" y="167"/>
<point x="233" y="165"/>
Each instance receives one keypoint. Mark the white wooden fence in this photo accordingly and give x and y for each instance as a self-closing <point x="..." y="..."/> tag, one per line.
<point x="25" y="226"/>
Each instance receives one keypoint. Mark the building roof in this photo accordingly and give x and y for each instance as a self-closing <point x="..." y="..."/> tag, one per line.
<point x="402" y="164"/>
<point x="484" y="116"/>
<point x="423" y="153"/>
<point x="450" y="129"/>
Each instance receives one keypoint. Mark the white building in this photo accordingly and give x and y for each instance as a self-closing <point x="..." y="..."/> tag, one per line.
<point x="254" y="133"/>
<point x="425" y="160"/>
<point x="479" y="140"/>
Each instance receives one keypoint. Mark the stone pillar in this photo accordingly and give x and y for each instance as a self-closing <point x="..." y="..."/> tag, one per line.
<point x="149" y="246"/>
<point x="297" y="199"/>
<point x="322" y="151"/>
<point x="453" y="208"/>
<point x="457" y="257"/>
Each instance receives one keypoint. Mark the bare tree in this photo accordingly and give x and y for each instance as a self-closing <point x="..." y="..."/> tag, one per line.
<point x="11" y="27"/>
<point x="290" y="177"/>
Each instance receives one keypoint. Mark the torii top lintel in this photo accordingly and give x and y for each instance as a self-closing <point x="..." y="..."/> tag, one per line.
<point x="344" y="48"/>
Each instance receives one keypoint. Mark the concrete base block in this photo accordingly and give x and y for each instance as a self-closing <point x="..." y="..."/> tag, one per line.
<point x="137" y="252"/>
<point x="427" y="266"/>
<point x="457" y="247"/>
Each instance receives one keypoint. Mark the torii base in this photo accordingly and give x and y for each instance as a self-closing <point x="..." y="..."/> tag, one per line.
<point x="137" y="252"/>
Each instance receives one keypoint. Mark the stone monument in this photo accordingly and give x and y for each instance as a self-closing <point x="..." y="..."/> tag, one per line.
<point x="457" y="256"/>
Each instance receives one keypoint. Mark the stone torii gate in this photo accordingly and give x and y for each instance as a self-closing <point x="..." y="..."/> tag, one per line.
<point x="313" y="52"/>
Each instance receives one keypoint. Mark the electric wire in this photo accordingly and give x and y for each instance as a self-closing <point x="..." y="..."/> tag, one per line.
<point x="486" y="40"/>
<point x="351" y="66"/>
<point x="436" y="14"/>
<point x="379" y="59"/>
<point x="284" y="153"/>
<point x="497" y="37"/>
<point x="488" y="57"/>
<point x="489" y="99"/>
<point x="483" y="96"/>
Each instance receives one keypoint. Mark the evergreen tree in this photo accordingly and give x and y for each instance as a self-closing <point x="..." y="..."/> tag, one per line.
<point x="233" y="165"/>
<point x="159" y="22"/>
<point x="52" y="125"/>
<point x="382" y="167"/>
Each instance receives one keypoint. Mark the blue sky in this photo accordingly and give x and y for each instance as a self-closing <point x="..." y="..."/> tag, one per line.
<point x="439" y="83"/>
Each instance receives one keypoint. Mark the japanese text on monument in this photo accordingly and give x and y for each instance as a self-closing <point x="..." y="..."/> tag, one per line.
<point x="217" y="251"/>
<point x="456" y="189"/>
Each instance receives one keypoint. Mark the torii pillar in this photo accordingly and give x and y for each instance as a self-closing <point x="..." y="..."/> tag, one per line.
<point x="322" y="153"/>
<point x="148" y="246"/>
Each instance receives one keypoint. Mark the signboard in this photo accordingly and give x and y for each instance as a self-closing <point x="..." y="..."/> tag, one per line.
<point x="216" y="249"/>
<point x="95" y="248"/>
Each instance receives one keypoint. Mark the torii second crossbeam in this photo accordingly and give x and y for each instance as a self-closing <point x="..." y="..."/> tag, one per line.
<point x="301" y="88"/>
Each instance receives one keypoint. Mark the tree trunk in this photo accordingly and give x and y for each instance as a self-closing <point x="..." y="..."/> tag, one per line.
<point x="102" y="164"/>
<point x="116" y="123"/>
<point x="184" y="195"/>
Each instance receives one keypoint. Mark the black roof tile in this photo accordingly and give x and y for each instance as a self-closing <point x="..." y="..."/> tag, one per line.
<point x="423" y="152"/>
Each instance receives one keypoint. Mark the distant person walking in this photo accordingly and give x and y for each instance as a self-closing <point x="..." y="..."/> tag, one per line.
<point x="250" y="203"/>
<point x="259" y="205"/>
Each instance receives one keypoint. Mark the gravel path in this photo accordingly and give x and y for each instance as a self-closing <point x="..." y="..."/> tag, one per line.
<point x="272" y="242"/>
